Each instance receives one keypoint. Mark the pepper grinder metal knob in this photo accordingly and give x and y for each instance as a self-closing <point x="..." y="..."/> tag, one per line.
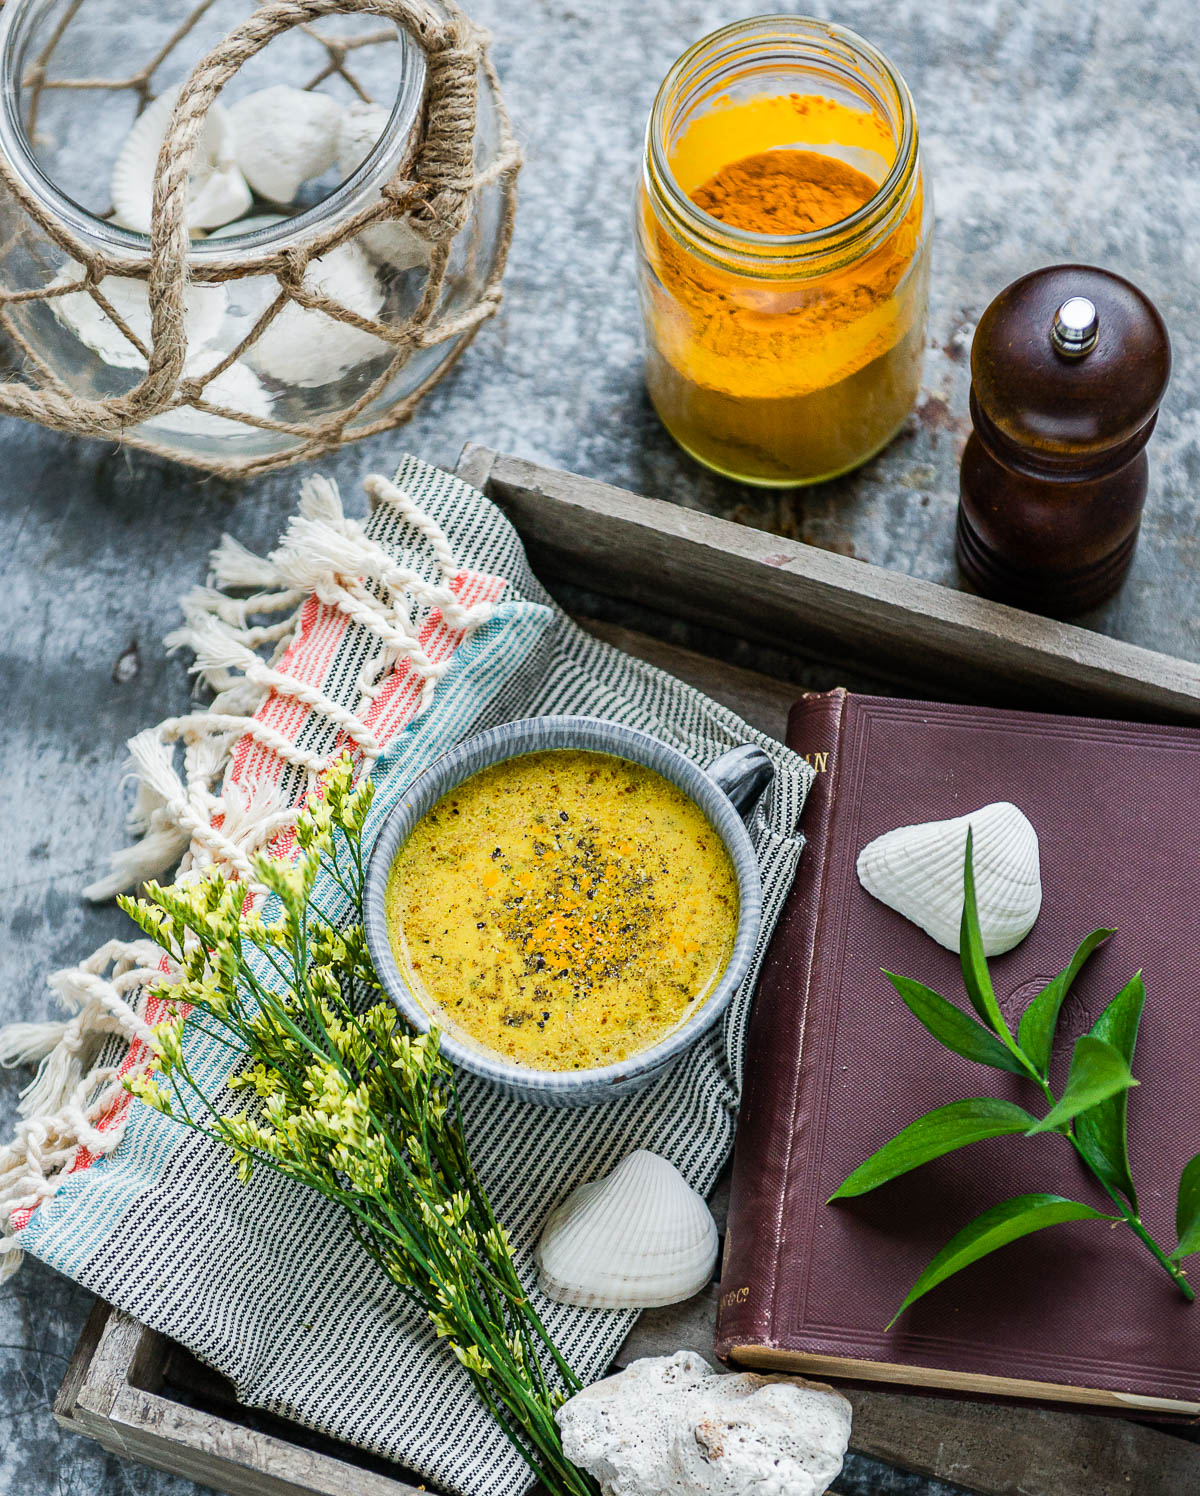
<point x="1068" y="367"/>
<point x="1076" y="327"/>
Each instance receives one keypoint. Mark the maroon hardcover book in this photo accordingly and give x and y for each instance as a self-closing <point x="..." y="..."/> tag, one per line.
<point x="836" y="1065"/>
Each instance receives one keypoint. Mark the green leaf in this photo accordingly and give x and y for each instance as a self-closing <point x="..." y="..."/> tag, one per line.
<point x="936" y="1133"/>
<point x="995" y="1228"/>
<point x="1035" y="1034"/>
<point x="951" y="1026"/>
<point x="1098" y="1071"/>
<point x="974" y="962"/>
<point x="1187" y="1212"/>
<point x="1102" y="1132"/>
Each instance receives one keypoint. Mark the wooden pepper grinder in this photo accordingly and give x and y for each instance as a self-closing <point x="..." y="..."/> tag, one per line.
<point x="1068" y="366"/>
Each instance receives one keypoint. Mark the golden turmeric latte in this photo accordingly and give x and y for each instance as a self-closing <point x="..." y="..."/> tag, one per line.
<point x="563" y="909"/>
<point x="764" y="370"/>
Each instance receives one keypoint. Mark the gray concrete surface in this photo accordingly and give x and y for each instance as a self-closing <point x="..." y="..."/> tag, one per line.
<point x="1054" y="130"/>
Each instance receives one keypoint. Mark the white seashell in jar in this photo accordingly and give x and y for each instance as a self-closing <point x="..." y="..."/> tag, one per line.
<point x="637" y="1238"/>
<point x="285" y="136"/>
<point x="394" y="243"/>
<point x="672" y="1426"/>
<point x="306" y="347"/>
<point x="248" y="296"/>
<point x="217" y="190"/>
<point x="918" y="872"/>
<point x="236" y="388"/>
<point x="204" y="311"/>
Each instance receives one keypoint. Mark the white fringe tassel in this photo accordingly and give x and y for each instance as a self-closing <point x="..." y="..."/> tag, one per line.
<point x="179" y="767"/>
<point x="70" y="1093"/>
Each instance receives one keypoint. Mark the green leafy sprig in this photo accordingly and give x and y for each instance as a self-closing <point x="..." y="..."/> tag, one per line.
<point x="1091" y="1113"/>
<point x="335" y="1093"/>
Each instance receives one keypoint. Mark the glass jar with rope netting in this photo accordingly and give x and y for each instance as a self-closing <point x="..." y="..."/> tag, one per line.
<point x="240" y="234"/>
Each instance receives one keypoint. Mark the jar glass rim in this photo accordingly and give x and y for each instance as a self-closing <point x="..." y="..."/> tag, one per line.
<point x="793" y="34"/>
<point x="18" y="19"/>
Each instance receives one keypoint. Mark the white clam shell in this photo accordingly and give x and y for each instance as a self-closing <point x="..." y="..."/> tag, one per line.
<point x="204" y="311"/>
<point x="284" y="137"/>
<point x="637" y="1238"/>
<point x="671" y="1426"/>
<point x="308" y="348"/>
<point x="918" y="872"/>
<point x="217" y="190"/>
<point x="205" y="318"/>
<point x="394" y="243"/>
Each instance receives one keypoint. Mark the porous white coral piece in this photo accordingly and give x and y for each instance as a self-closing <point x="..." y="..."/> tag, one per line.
<point x="284" y="137"/>
<point x="918" y="872"/>
<point x="393" y="243"/>
<point x="204" y="311"/>
<point x="635" y="1239"/>
<point x="217" y="190"/>
<point x="307" y="348"/>
<point x="671" y="1426"/>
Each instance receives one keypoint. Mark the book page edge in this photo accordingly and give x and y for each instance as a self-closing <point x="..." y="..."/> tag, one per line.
<point x="772" y="1358"/>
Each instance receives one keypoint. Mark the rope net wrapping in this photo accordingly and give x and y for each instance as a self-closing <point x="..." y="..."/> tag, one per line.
<point x="432" y="192"/>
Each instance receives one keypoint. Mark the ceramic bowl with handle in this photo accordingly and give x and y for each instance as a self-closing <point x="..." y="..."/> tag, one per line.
<point x="726" y="792"/>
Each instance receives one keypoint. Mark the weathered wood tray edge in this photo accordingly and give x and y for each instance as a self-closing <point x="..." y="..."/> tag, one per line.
<point x="813" y="603"/>
<point x="800" y="602"/>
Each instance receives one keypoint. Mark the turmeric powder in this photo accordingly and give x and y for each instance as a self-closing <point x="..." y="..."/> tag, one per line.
<point x="784" y="192"/>
<point x="776" y="363"/>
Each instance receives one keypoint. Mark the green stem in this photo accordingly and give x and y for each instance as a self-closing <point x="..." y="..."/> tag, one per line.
<point x="1134" y="1222"/>
<point x="1130" y="1217"/>
<point x="566" y="1479"/>
<point x="464" y="1279"/>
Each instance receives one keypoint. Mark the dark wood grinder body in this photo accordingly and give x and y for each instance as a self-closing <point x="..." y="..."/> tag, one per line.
<point x="1068" y="366"/>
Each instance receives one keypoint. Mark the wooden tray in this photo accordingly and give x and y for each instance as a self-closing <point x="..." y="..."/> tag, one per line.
<point x="711" y="599"/>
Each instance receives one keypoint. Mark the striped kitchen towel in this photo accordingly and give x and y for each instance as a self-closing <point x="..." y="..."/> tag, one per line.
<point x="396" y="638"/>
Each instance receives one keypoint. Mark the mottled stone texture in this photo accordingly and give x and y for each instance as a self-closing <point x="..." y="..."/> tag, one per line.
<point x="1054" y="130"/>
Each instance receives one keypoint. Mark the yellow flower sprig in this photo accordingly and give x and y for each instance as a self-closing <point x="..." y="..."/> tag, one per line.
<point x="334" y="1092"/>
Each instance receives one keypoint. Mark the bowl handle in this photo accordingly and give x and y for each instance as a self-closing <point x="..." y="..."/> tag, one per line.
<point x="742" y="775"/>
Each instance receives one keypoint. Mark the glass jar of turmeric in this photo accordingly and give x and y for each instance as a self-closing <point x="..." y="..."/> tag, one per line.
<point x="783" y="229"/>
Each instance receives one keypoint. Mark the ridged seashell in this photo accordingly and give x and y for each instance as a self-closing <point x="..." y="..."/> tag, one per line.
<point x="284" y="136"/>
<point x="217" y="190"/>
<point x="918" y="872"/>
<point x="236" y="388"/>
<point x="395" y="243"/>
<point x="672" y="1426"/>
<point x="307" y="348"/>
<point x="637" y="1238"/>
<point x="204" y="311"/>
